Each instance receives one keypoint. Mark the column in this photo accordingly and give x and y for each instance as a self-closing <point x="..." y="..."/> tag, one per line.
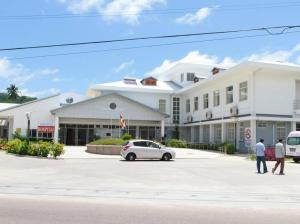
<point x="192" y="133"/>
<point x="137" y="132"/>
<point x="201" y="133"/>
<point x="211" y="133"/>
<point x="56" y="129"/>
<point x="10" y="127"/>
<point x="253" y="132"/>
<point x="223" y="127"/>
<point x="294" y="125"/>
<point x="162" y="128"/>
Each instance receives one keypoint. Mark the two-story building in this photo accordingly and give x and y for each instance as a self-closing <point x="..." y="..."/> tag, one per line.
<point x="198" y="103"/>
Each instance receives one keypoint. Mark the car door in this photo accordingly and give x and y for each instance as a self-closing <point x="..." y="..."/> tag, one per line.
<point x="154" y="151"/>
<point x="141" y="149"/>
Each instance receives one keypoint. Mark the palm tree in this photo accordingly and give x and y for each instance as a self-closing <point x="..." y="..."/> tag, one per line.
<point x="12" y="92"/>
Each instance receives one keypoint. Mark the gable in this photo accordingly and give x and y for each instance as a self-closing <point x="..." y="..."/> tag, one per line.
<point x="109" y="107"/>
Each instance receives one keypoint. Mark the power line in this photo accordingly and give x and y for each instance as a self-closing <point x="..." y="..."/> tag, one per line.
<point x="281" y="29"/>
<point x="145" y="46"/>
<point x="149" y="12"/>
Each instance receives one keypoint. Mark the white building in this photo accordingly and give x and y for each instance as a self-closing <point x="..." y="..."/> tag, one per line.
<point x="194" y="102"/>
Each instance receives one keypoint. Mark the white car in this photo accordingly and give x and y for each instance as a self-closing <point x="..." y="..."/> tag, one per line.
<point x="144" y="149"/>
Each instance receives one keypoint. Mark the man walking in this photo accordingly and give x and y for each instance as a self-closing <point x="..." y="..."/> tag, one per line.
<point x="279" y="154"/>
<point x="260" y="156"/>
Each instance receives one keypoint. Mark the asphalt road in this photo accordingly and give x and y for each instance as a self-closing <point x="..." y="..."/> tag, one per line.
<point x="207" y="189"/>
<point x="65" y="211"/>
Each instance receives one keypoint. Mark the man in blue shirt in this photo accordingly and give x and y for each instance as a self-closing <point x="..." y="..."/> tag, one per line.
<point x="260" y="156"/>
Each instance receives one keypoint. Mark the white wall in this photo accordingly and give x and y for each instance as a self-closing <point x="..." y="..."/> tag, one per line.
<point x="275" y="91"/>
<point x="40" y="112"/>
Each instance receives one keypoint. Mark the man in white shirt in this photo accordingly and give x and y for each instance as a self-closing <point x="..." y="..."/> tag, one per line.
<point x="279" y="154"/>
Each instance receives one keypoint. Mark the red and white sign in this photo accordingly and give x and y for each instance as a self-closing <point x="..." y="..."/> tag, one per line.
<point x="46" y="129"/>
<point x="247" y="134"/>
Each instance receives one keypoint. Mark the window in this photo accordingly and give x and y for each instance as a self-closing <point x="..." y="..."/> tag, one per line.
<point x="141" y="144"/>
<point x="176" y="110"/>
<point x="230" y="133"/>
<point x="196" y="100"/>
<point x="206" y="133"/>
<point x="205" y="101"/>
<point x="190" y="76"/>
<point x="243" y="91"/>
<point x="218" y="133"/>
<point x="293" y="141"/>
<point x="188" y="106"/>
<point x="33" y="133"/>
<point x="216" y="98"/>
<point x="181" y="77"/>
<point x="162" y="106"/>
<point x="229" y="94"/>
<point x="261" y="124"/>
<point x="297" y="126"/>
<point x="281" y="131"/>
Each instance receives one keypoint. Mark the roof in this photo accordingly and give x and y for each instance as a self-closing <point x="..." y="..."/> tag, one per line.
<point x="250" y="65"/>
<point x="30" y="102"/>
<point x="4" y="106"/>
<point x="116" y="94"/>
<point x="161" y="86"/>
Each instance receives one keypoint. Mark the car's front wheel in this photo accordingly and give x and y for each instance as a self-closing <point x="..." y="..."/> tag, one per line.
<point x="296" y="160"/>
<point x="131" y="157"/>
<point x="166" y="157"/>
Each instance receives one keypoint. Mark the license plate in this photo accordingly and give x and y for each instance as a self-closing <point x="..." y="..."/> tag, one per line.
<point x="292" y="150"/>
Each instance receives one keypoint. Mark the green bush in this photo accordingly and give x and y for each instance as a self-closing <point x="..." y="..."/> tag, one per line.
<point x="17" y="135"/>
<point x="17" y="146"/>
<point x="34" y="149"/>
<point x="44" y="148"/>
<point x="109" y="141"/>
<point x="230" y="148"/>
<point x="176" y="143"/>
<point x="56" y="150"/>
<point x="126" y="137"/>
<point x="252" y="157"/>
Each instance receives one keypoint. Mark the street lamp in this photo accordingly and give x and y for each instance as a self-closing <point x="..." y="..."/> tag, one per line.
<point x="28" y="116"/>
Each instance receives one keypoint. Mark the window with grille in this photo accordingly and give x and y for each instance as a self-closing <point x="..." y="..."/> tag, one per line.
<point x="243" y="91"/>
<point x="162" y="106"/>
<point x="196" y="103"/>
<point x="176" y="110"/>
<point x="205" y="101"/>
<point x="188" y="106"/>
<point x="280" y="131"/>
<point x="229" y="94"/>
<point x="216" y="98"/>
<point x="190" y="76"/>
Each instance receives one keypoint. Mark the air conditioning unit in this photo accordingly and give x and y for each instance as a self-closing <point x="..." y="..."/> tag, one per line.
<point x="208" y="115"/>
<point x="234" y="111"/>
<point x="189" y="118"/>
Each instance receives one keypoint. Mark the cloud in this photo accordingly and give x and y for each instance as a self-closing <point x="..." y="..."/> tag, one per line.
<point x="194" y="57"/>
<point x="115" y="10"/>
<point x="291" y="56"/>
<point x="39" y="94"/>
<point x="195" y="18"/>
<point x="18" y="74"/>
<point x="124" y="66"/>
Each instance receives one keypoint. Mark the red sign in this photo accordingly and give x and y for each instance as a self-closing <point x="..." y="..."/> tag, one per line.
<point x="46" y="129"/>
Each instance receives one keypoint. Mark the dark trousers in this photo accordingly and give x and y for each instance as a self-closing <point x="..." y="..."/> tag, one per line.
<point x="260" y="159"/>
<point x="281" y="162"/>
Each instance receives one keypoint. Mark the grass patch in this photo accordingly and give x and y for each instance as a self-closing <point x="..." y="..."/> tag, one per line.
<point x="109" y="141"/>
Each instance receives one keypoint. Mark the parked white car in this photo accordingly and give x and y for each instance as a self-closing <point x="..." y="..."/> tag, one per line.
<point x="144" y="149"/>
<point x="293" y="145"/>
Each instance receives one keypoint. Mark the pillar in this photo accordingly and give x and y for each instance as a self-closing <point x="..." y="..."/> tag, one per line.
<point x="162" y="128"/>
<point x="201" y="133"/>
<point x="294" y="125"/>
<point x="56" y="129"/>
<point x="211" y="133"/>
<point x="223" y="127"/>
<point x="253" y="133"/>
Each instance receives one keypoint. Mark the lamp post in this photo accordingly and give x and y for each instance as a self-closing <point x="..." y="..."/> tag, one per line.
<point x="28" y="116"/>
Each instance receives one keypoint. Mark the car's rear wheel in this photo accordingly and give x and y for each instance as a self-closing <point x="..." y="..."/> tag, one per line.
<point x="166" y="157"/>
<point x="131" y="157"/>
<point x="296" y="160"/>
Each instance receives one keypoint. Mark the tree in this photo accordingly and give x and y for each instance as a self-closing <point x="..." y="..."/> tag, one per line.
<point x="12" y="92"/>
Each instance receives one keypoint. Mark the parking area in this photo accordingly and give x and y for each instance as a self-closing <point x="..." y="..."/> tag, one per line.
<point x="195" y="178"/>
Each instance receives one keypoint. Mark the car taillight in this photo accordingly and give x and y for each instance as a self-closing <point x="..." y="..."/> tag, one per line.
<point x="126" y="147"/>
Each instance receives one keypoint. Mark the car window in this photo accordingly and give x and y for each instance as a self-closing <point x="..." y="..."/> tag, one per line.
<point x="141" y="144"/>
<point x="153" y="145"/>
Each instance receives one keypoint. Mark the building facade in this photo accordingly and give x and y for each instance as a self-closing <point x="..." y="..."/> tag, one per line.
<point x="198" y="103"/>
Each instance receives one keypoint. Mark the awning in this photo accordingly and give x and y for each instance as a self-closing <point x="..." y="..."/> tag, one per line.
<point x="3" y="122"/>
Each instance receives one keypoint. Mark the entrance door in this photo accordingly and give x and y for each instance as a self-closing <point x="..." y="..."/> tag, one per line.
<point x="70" y="136"/>
<point x="82" y="136"/>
